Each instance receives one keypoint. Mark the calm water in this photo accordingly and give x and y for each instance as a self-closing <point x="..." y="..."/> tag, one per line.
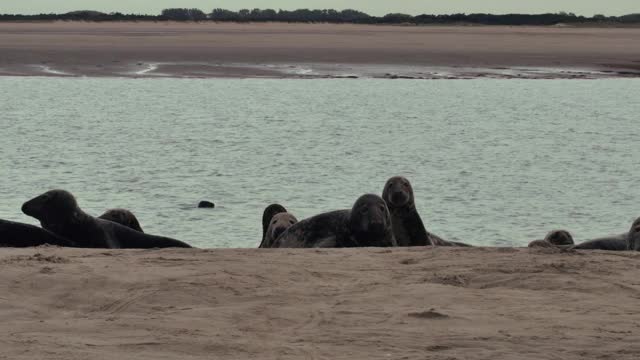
<point x="493" y="162"/>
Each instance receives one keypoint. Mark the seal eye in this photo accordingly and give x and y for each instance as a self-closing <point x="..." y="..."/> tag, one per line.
<point x="381" y="207"/>
<point x="291" y="222"/>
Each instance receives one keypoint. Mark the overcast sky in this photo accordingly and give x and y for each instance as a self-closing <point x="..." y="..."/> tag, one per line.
<point x="373" y="7"/>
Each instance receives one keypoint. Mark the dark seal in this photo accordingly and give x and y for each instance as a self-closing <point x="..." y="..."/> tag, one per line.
<point x="206" y="205"/>
<point x="122" y="217"/>
<point x="408" y="228"/>
<point x="279" y="224"/>
<point x="14" y="234"/>
<point x="59" y="213"/>
<point x="555" y="238"/>
<point x="633" y="238"/>
<point x="268" y="214"/>
<point x="609" y="243"/>
<point x="367" y="224"/>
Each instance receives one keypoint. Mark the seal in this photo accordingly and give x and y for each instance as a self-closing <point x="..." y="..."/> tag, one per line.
<point x="610" y="243"/>
<point x="59" y="213"/>
<point x="206" y="205"/>
<point x="14" y="234"/>
<point x="555" y="238"/>
<point x="367" y="224"/>
<point x="279" y="223"/>
<point x="122" y="217"/>
<point x="633" y="237"/>
<point x="408" y="228"/>
<point x="267" y="214"/>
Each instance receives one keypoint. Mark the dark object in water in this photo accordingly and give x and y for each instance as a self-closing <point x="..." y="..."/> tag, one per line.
<point x="206" y="205"/>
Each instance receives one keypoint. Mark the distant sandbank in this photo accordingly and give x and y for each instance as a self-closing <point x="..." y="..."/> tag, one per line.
<point x="276" y="50"/>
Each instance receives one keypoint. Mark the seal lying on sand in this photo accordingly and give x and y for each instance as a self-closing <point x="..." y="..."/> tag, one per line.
<point x="610" y="243"/>
<point x="268" y="214"/>
<point x="627" y="241"/>
<point x="122" y="217"/>
<point x="13" y="234"/>
<point x="555" y="238"/>
<point x="368" y="223"/>
<point x="633" y="238"/>
<point x="408" y="227"/>
<point x="59" y="213"/>
<point x="279" y="223"/>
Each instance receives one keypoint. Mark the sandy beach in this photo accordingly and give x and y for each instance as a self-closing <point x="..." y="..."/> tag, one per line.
<point x="315" y="51"/>
<point x="422" y="303"/>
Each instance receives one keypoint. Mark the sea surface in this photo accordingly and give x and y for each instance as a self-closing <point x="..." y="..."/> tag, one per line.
<point x="492" y="162"/>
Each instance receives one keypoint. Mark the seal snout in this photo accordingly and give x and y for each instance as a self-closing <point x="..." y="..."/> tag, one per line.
<point x="278" y="231"/>
<point x="399" y="198"/>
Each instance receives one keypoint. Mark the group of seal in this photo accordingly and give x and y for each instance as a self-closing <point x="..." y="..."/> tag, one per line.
<point x="563" y="239"/>
<point x="373" y="221"/>
<point x="65" y="224"/>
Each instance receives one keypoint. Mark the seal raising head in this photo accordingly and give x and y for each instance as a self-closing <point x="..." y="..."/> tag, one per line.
<point x="370" y="221"/>
<point x="59" y="213"/>
<point x="268" y="214"/>
<point x="54" y="209"/>
<point x="367" y="224"/>
<point x="279" y="224"/>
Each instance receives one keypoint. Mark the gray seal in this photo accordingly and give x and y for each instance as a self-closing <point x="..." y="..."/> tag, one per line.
<point x="555" y="238"/>
<point x="14" y="234"/>
<point x="367" y="224"/>
<point x="122" y="217"/>
<point x="268" y="214"/>
<point x="59" y="213"/>
<point x="408" y="228"/>
<point x="279" y="224"/>
<point x="609" y="243"/>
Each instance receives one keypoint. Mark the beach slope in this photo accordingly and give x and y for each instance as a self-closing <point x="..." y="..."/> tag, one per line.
<point x="479" y="303"/>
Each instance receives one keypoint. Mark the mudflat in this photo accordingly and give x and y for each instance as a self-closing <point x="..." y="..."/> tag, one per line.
<point x="314" y="50"/>
<point x="419" y="303"/>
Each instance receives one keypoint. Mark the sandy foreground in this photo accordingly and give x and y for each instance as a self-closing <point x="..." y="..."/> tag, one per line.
<point x="315" y="50"/>
<point x="422" y="303"/>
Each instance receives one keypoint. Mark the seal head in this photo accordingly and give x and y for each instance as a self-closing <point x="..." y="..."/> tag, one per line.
<point x="370" y="222"/>
<point x="279" y="224"/>
<point x="122" y="217"/>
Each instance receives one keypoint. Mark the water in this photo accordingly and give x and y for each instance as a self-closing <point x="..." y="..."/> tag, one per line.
<point x="493" y="162"/>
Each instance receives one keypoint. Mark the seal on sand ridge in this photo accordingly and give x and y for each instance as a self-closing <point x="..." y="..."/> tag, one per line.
<point x="59" y="213"/>
<point x="367" y="224"/>
<point x="279" y="223"/>
<point x="268" y="213"/>
<point x="408" y="228"/>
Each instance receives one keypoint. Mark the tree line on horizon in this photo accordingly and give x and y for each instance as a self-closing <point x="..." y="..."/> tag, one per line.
<point x="347" y="16"/>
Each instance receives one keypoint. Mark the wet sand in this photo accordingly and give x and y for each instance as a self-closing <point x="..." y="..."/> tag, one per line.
<point x="422" y="303"/>
<point x="315" y="50"/>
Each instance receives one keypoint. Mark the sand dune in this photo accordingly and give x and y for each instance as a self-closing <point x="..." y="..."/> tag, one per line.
<point x="315" y="50"/>
<point x="418" y="303"/>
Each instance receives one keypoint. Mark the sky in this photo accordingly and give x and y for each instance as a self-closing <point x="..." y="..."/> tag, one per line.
<point x="372" y="7"/>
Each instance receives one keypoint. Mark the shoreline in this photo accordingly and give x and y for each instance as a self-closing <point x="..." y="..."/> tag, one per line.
<point x="155" y="70"/>
<point x="454" y="303"/>
<point x="275" y="50"/>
